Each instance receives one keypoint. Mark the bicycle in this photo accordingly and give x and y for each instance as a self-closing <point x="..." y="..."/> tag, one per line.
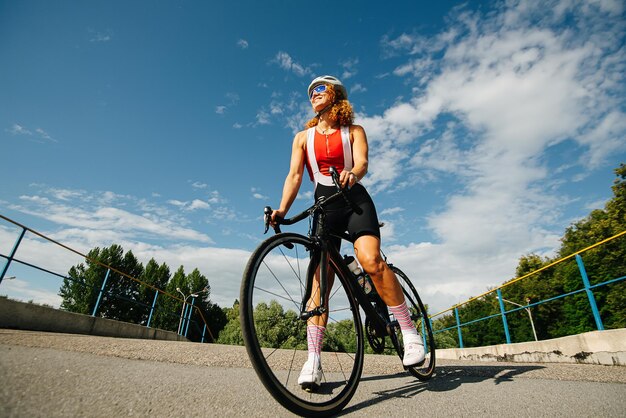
<point x="279" y="274"/>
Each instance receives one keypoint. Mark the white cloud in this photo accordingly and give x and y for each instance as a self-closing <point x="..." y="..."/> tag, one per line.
<point x="492" y="94"/>
<point x="242" y="43"/>
<point x="44" y="135"/>
<point x="308" y="195"/>
<point x="39" y="135"/>
<point x="66" y="194"/>
<point x="215" y="198"/>
<point x="19" y="130"/>
<point x="349" y="68"/>
<point x="199" y="185"/>
<point x="263" y="117"/>
<point x="511" y="86"/>
<point x="198" y="204"/>
<point x="357" y="88"/>
<point x="222" y="266"/>
<point x="92" y="214"/>
<point x="26" y="291"/>
<point x="256" y="193"/>
<point x="392" y="211"/>
<point x="285" y="62"/>
<point x="98" y="37"/>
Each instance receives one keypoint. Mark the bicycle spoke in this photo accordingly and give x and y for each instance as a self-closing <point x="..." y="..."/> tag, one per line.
<point x="419" y="317"/>
<point x="274" y="287"/>
<point x="288" y="297"/>
<point x="297" y="274"/>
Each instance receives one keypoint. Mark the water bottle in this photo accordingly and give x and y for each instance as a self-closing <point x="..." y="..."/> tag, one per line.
<point x="362" y="278"/>
<point x="352" y="265"/>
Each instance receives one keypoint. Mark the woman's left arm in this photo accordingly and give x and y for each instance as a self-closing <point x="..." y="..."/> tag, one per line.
<point x="359" y="156"/>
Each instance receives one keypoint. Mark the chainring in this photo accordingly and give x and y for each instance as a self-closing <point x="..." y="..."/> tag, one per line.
<point x="376" y="342"/>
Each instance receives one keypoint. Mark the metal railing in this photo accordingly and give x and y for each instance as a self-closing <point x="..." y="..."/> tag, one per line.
<point x="587" y="288"/>
<point x="187" y="310"/>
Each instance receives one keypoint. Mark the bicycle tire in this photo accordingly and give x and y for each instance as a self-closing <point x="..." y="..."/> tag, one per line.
<point x="277" y="363"/>
<point x="423" y="325"/>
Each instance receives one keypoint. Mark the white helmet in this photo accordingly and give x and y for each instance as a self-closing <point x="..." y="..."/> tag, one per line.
<point x="329" y="79"/>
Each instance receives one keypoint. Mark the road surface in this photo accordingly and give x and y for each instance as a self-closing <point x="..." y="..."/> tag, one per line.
<point x="60" y="375"/>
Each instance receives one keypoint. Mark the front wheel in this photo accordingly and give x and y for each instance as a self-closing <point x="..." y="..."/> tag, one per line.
<point x="419" y="316"/>
<point x="272" y="290"/>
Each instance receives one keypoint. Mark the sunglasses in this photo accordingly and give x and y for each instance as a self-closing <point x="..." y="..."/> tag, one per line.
<point x="319" y="89"/>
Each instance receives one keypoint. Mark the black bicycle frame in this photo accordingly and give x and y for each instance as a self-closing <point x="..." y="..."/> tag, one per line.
<point x="321" y="256"/>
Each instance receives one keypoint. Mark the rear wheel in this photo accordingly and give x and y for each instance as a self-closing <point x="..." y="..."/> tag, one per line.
<point x="419" y="316"/>
<point x="272" y="290"/>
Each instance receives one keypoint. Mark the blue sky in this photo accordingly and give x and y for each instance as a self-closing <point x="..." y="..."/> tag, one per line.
<point x="166" y="127"/>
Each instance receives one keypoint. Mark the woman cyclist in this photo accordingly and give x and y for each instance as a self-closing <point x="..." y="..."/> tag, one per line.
<point x="331" y="139"/>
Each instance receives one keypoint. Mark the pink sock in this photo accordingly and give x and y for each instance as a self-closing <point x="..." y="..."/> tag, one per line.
<point x="403" y="316"/>
<point x="315" y="338"/>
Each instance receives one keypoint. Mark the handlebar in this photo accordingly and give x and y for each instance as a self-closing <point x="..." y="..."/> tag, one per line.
<point x="314" y="208"/>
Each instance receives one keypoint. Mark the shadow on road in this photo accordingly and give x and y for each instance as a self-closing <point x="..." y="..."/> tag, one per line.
<point x="446" y="378"/>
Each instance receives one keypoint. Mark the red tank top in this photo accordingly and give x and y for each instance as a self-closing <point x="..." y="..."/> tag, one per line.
<point x="329" y="151"/>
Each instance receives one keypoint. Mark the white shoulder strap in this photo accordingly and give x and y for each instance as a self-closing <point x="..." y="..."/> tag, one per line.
<point x="318" y="177"/>
<point x="347" y="148"/>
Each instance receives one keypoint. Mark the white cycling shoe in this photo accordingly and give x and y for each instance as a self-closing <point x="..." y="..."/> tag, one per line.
<point x="311" y="375"/>
<point x="414" y="353"/>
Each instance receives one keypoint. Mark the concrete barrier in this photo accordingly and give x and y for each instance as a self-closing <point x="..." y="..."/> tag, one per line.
<point x="596" y="347"/>
<point x="29" y="316"/>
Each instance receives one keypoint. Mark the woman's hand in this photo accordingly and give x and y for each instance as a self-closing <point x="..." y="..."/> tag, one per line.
<point x="277" y="214"/>
<point x="347" y="179"/>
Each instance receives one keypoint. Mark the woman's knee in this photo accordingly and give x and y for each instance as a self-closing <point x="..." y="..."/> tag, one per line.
<point x="373" y="264"/>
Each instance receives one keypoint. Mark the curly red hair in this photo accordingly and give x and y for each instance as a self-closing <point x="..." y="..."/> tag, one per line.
<point x="341" y="111"/>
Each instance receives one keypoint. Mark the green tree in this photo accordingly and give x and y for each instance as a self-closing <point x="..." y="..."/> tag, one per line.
<point x="157" y="276"/>
<point x="602" y="263"/>
<point x="170" y="304"/>
<point x="231" y="333"/>
<point x="80" y="293"/>
<point x="485" y="332"/>
<point x="129" y="296"/>
<point x="535" y="287"/>
<point x="341" y="336"/>
<point x="448" y="338"/>
<point x="572" y="315"/>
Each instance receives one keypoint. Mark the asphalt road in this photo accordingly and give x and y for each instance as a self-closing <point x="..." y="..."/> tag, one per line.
<point x="56" y="375"/>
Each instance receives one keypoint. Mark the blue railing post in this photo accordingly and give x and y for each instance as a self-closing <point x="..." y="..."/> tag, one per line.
<point x="203" y="332"/>
<point x="430" y="322"/>
<point x="156" y="294"/>
<point x="424" y="334"/>
<point x="592" y="299"/>
<point x="8" y="263"/>
<point x="458" y="327"/>
<point x="189" y="315"/>
<point x="504" y="321"/>
<point x="104" y="282"/>
<point x="183" y="319"/>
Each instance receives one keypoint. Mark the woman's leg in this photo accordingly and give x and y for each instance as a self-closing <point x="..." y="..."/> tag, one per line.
<point x="367" y="250"/>
<point x="317" y="323"/>
<point x="311" y="374"/>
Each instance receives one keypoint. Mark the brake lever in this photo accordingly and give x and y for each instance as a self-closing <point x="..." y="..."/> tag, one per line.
<point x="335" y="176"/>
<point x="267" y="217"/>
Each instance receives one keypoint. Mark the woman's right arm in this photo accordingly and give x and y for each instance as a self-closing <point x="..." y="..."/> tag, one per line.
<point x="294" y="178"/>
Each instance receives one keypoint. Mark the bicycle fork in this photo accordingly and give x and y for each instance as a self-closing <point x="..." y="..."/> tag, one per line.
<point x="319" y="258"/>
